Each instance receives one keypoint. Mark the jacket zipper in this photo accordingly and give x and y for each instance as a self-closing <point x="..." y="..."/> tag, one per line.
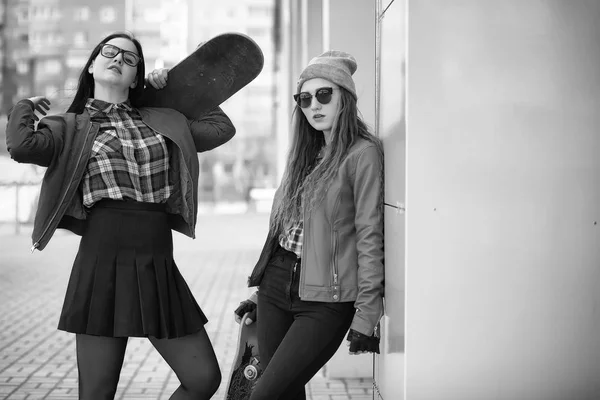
<point x="62" y="200"/>
<point x="335" y="245"/>
<point x="333" y="262"/>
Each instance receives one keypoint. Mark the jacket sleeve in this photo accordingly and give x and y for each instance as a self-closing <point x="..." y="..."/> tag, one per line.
<point x="24" y="143"/>
<point x="368" y="198"/>
<point x="211" y="130"/>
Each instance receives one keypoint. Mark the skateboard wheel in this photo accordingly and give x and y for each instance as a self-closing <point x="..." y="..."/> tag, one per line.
<point x="250" y="372"/>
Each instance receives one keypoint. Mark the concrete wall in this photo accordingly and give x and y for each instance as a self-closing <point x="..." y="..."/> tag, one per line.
<point x="503" y="200"/>
<point x="391" y="114"/>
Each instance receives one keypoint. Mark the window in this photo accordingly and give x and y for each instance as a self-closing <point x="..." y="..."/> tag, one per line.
<point x="55" y="13"/>
<point x="259" y="11"/>
<point x="107" y="15"/>
<point x="34" y="39"/>
<point x="22" y="91"/>
<point x="41" y="12"/>
<point x="51" y="67"/>
<point x="76" y="62"/>
<point x="22" y="67"/>
<point x="82" y="14"/>
<point x="80" y="39"/>
<point x="154" y="15"/>
<point x="46" y="13"/>
<point x="257" y="33"/>
<point x="22" y="16"/>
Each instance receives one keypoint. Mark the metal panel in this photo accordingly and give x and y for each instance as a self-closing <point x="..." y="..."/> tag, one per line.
<point x="503" y="200"/>
<point x="389" y="365"/>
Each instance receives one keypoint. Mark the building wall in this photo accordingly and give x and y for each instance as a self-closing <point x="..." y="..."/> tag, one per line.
<point x="88" y="22"/>
<point x="144" y="18"/>
<point x="252" y="108"/>
<point x="49" y="41"/>
<point x="391" y="127"/>
<point x="16" y="71"/>
<point x="503" y="200"/>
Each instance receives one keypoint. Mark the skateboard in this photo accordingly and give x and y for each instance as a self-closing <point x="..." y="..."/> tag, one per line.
<point x="215" y="71"/>
<point x="246" y="367"/>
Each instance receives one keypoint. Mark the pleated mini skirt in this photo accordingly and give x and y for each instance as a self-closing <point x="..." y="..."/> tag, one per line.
<point x="124" y="281"/>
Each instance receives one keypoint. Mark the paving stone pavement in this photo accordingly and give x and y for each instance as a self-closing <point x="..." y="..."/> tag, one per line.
<point x="38" y="362"/>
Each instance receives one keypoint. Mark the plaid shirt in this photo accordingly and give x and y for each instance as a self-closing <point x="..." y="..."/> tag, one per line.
<point x="291" y="240"/>
<point x="128" y="160"/>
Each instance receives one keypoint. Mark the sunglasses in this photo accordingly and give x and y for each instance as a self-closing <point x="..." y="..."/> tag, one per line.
<point x="323" y="96"/>
<point x="129" y="57"/>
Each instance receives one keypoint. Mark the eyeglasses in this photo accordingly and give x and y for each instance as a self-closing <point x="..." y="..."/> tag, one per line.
<point x="111" y="51"/>
<point x="323" y="96"/>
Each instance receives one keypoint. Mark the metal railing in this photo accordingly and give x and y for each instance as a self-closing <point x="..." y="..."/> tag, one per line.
<point x="18" y="202"/>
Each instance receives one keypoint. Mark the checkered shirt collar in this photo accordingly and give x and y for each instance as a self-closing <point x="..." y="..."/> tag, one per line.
<point x="95" y="106"/>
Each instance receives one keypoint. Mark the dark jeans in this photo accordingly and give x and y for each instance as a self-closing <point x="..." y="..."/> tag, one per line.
<point x="295" y="338"/>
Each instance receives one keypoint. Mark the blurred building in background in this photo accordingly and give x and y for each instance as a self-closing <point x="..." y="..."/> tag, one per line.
<point x="85" y="23"/>
<point x="249" y="160"/>
<point x="17" y="77"/>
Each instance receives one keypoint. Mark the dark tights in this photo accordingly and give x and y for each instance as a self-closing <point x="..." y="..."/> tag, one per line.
<point x="192" y="358"/>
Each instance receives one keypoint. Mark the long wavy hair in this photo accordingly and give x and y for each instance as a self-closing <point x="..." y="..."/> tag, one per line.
<point x="305" y="179"/>
<point x="85" y="86"/>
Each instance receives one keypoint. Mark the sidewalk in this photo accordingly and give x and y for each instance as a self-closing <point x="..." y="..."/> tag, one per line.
<point x="38" y="362"/>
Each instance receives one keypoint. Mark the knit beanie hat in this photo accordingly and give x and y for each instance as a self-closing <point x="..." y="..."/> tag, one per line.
<point x="335" y="66"/>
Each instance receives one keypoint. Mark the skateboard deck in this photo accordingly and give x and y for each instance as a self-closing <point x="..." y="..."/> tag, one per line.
<point x="246" y="367"/>
<point x="215" y="71"/>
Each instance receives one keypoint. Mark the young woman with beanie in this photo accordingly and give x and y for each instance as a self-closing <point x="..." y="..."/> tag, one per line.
<point x="320" y="273"/>
<point x="122" y="177"/>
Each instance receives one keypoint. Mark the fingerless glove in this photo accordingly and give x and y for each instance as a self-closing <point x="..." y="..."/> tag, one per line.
<point x="360" y="342"/>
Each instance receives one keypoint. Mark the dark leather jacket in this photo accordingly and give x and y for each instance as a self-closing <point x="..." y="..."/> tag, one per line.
<point x="342" y="251"/>
<point x="63" y="144"/>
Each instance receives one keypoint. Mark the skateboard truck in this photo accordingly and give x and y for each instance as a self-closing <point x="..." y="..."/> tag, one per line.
<point x="251" y="370"/>
<point x="246" y="369"/>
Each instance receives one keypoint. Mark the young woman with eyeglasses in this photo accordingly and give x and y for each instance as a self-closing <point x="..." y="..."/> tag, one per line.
<point x="122" y="177"/>
<point x="320" y="273"/>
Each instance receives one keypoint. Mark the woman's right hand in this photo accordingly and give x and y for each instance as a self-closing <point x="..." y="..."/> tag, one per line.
<point x="246" y="306"/>
<point x="39" y="104"/>
<point x="158" y="78"/>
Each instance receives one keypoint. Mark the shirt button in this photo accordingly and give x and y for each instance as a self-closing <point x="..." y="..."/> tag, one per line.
<point x="335" y="296"/>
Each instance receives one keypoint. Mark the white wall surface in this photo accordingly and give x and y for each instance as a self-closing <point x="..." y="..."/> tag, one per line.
<point x="503" y="200"/>
<point x="389" y="364"/>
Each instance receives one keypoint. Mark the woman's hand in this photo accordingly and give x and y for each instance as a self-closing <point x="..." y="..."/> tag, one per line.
<point x="158" y="78"/>
<point x="246" y="306"/>
<point x="360" y="344"/>
<point x="39" y="104"/>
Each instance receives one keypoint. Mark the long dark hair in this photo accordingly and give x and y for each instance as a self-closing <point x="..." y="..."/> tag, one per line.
<point x="305" y="180"/>
<point x="85" y="86"/>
